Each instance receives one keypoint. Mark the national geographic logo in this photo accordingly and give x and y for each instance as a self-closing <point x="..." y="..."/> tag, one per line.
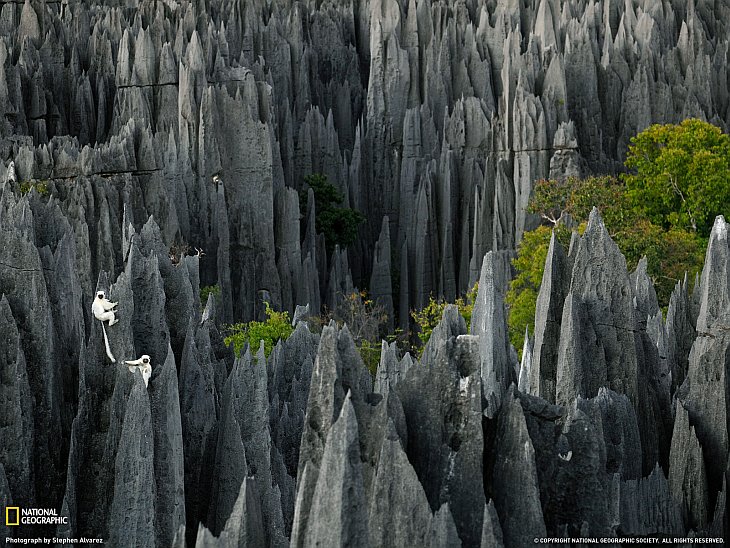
<point x="14" y="515"/>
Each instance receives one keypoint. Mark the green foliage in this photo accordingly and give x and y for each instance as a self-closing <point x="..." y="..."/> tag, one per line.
<point x="556" y="200"/>
<point x="214" y="290"/>
<point x="680" y="184"/>
<point x="681" y="174"/>
<point x="366" y="321"/>
<point x="370" y="354"/>
<point x="521" y="297"/>
<point x="669" y="253"/>
<point x="41" y="187"/>
<point x="430" y="315"/>
<point x="550" y="199"/>
<point x="277" y="326"/>
<point x="338" y="224"/>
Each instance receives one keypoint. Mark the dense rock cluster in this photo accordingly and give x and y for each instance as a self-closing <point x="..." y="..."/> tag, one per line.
<point x="304" y="448"/>
<point x="140" y="131"/>
<point x="432" y="118"/>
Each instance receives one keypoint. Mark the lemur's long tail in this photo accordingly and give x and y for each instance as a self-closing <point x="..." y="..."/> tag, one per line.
<point x="106" y="343"/>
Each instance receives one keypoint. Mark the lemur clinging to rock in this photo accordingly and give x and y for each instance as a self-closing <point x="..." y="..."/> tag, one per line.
<point x="103" y="310"/>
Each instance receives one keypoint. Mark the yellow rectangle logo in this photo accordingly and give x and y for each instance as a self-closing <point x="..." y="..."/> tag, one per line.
<point x="8" y="512"/>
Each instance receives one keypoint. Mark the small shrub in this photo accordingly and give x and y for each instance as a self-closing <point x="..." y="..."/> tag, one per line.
<point x="214" y="290"/>
<point x="364" y="317"/>
<point x="370" y="354"/>
<point x="276" y="327"/>
<point x="40" y="186"/>
<point x="366" y="321"/>
<point x="430" y="315"/>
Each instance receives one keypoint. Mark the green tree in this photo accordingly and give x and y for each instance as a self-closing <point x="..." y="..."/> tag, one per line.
<point x="338" y="224"/>
<point x="276" y="327"/>
<point x="664" y="209"/>
<point x="680" y="174"/>
<point x="670" y="251"/>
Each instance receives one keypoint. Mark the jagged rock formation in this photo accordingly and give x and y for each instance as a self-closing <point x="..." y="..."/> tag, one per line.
<point x="140" y="131"/>
<point x="433" y="120"/>
<point x="305" y="447"/>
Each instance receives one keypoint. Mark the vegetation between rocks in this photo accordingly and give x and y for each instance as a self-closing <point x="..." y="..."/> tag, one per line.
<point x="663" y="208"/>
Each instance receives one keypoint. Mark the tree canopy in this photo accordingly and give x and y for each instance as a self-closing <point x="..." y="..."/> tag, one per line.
<point x="680" y="174"/>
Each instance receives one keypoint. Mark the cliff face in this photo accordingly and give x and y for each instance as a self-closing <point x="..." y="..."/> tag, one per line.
<point x="150" y="129"/>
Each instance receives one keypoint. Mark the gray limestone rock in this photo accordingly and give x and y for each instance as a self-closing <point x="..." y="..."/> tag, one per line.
<point x="159" y="129"/>
<point x="168" y="450"/>
<point x="244" y="527"/>
<point x="636" y="497"/>
<point x="515" y="473"/>
<point x="301" y="313"/>
<point x="443" y="408"/>
<point x="597" y="339"/>
<point x="338" y="515"/>
<point x="644" y="295"/>
<point x="680" y="333"/>
<point x="548" y="318"/>
<point x="337" y="368"/>
<point x="198" y="416"/>
<point x="390" y="369"/>
<point x="523" y="383"/>
<point x="22" y="282"/>
<point x="702" y="393"/>
<point x="133" y="507"/>
<point x="179" y="283"/>
<point x="292" y="362"/>
<point x="231" y="467"/>
<point x="582" y="491"/>
<point x="399" y="514"/>
<point x="244" y="448"/>
<point x="489" y="324"/>
<point x="16" y="456"/>
<point x="443" y="529"/>
<point x="687" y="476"/>
<point x="621" y="434"/>
<point x="381" y="289"/>
<point x="6" y="500"/>
<point x="491" y="529"/>
<point x="715" y="283"/>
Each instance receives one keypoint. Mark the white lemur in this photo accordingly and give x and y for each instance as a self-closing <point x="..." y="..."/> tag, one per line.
<point x="103" y="310"/>
<point x="10" y="176"/>
<point x="144" y="366"/>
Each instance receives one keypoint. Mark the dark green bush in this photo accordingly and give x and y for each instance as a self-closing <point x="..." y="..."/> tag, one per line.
<point x="338" y="224"/>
